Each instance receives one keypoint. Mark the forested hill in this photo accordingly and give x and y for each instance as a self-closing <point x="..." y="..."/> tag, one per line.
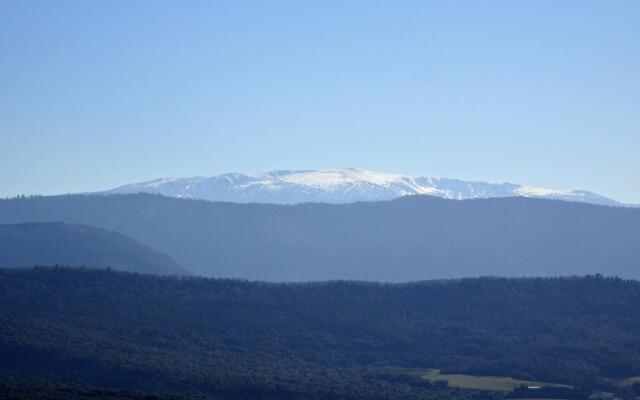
<point x="411" y="238"/>
<point x="32" y="244"/>
<point x="241" y="339"/>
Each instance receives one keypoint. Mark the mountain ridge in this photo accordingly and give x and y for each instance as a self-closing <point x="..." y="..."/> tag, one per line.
<point x="341" y="186"/>
<point x="409" y="238"/>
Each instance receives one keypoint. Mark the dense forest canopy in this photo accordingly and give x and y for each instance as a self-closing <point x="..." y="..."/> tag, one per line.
<point x="242" y="339"/>
<point x="411" y="238"/>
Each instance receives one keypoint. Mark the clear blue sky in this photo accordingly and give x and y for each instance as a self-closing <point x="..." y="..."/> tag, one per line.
<point x="94" y="94"/>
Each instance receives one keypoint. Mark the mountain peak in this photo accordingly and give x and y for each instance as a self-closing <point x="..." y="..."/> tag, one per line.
<point x="341" y="186"/>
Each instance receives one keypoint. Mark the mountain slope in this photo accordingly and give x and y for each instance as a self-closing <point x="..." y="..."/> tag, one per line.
<point x="411" y="238"/>
<point x="340" y="186"/>
<point x="315" y="340"/>
<point x="27" y="245"/>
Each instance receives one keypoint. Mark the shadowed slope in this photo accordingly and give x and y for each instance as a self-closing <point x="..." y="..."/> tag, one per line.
<point x="31" y="244"/>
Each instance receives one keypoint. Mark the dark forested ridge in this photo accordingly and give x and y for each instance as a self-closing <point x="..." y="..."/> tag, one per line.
<point x="56" y="243"/>
<point x="411" y="238"/>
<point x="238" y="339"/>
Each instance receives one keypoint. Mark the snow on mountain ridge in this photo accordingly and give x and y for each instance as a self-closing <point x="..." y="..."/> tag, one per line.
<point x="339" y="177"/>
<point x="340" y="186"/>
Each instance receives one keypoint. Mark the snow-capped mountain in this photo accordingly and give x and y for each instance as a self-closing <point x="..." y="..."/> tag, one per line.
<point x="340" y="186"/>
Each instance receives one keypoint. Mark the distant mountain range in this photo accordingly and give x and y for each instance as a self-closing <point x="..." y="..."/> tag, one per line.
<point x="56" y="243"/>
<point x="341" y="186"/>
<point x="406" y="239"/>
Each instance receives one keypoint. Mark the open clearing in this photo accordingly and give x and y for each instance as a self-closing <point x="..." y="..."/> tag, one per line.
<point x="475" y="382"/>
<point x="494" y="383"/>
<point x="629" y="381"/>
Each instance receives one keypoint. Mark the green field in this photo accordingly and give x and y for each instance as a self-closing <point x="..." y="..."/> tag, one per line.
<point x="629" y="381"/>
<point x="475" y="382"/>
<point x="494" y="383"/>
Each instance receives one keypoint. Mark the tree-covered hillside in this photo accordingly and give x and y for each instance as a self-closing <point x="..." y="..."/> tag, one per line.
<point x="241" y="339"/>
<point x="31" y="244"/>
